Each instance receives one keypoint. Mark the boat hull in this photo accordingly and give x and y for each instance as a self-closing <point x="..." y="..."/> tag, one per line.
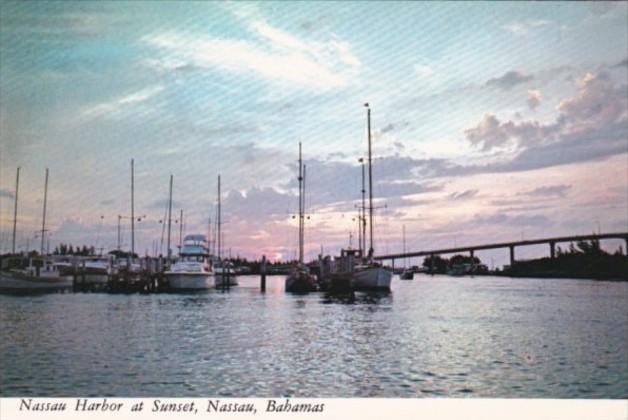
<point x="300" y="282"/>
<point x="13" y="281"/>
<point x="406" y="275"/>
<point x="372" y="278"/>
<point x="195" y="281"/>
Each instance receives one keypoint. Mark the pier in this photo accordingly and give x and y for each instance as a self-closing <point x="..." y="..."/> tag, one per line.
<point x="510" y="245"/>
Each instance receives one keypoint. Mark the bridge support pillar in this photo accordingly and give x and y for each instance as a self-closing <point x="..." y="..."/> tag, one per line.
<point x="552" y="249"/>
<point x="432" y="264"/>
<point x="472" y="253"/>
<point x="512" y="255"/>
<point x="393" y="264"/>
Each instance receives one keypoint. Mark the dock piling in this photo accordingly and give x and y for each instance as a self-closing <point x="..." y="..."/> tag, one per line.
<point x="263" y="275"/>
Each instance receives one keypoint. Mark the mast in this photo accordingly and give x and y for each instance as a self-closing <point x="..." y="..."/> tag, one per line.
<point x="132" y="210"/>
<point x="17" y="184"/>
<point x="368" y="118"/>
<point x="303" y="227"/>
<point x="43" y="221"/>
<point x="209" y="233"/>
<point x="218" y="222"/>
<point x="181" y="232"/>
<point x="163" y="230"/>
<point x="300" y="207"/>
<point x="169" y="218"/>
<point x="405" y="265"/>
<point x="363" y="214"/>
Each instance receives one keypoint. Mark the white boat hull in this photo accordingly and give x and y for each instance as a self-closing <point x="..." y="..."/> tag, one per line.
<point x="190" y="281"/>
<point x="372" y="278"/>
<point x="46" y="281"/>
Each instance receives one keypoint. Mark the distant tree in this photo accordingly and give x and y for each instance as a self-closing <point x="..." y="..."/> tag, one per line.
<point x="71" y="250"/>
<point x="437" y="263"/>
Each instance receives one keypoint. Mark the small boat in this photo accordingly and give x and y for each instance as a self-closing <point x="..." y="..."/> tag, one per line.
<point x="335" y="275"/>
<point x="457" y="270"/>
<point x="224" y="270"/>
<point x="193" y="269"/>
<point x="407" y="274"/>
<point x="300" y="280"/>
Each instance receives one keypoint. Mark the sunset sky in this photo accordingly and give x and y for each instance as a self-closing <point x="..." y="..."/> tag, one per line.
<point x="490" y="121"/>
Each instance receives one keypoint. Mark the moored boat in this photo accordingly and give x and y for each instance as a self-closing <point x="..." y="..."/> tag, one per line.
<point x="300" y="280"/>
<point x="193" y="269"/>
<point x="371" y="275"/>
<point x="224" y="271"/>
<point x="33" y="278"/>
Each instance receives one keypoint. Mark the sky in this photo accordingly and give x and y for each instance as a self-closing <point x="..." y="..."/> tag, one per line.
<point x="490" y="121"/>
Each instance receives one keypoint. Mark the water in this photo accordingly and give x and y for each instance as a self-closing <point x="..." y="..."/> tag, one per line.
<point x="431" y="337"/>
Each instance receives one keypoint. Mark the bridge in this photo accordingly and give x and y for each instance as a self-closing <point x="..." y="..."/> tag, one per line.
<point x="511" y="245"/>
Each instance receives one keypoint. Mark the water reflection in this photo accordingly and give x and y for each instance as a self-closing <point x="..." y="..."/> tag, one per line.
<point x="481" y="337"/>
<point x="351" y="298"/>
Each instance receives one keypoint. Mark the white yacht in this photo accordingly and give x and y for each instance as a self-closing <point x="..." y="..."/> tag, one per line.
<point x="96" y="270"/>
<point x="193" y="269"/>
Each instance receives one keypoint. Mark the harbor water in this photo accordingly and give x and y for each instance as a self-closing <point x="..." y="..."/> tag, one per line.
<point x="434" y="336"/>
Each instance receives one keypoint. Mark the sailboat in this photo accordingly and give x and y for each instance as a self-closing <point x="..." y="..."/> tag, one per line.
<point x="40" y="274"/>
<point x="300" y="280"/>
<point x="370" y="275"/>
<point x="223" y="270"/>
<point x="407" y="273"/>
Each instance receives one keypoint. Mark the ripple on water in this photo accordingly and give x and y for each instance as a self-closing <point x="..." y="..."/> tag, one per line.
<point x="461" y="341"/>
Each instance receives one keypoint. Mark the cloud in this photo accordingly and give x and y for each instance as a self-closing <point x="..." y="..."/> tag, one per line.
<point x="548" y="191"/>
<point x="464" y="195"/>
<point x="120" y="103"/>
<point x="523" y="28"/>
<point x="509" y="80"/>
<point x="392" y="127"/>
<point x="162" y="203"/>
<point x="519" y="220"/>
<point x="6" y="194"/>
<point x="259" y="204"/>
<point x="423" y="70"/>
<point x="274" y="55"/>
<point x="590" y="125"/>
<point x="534" y="99"/>
<point x="491" y="133"/>
<point x="623" y="63"/>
